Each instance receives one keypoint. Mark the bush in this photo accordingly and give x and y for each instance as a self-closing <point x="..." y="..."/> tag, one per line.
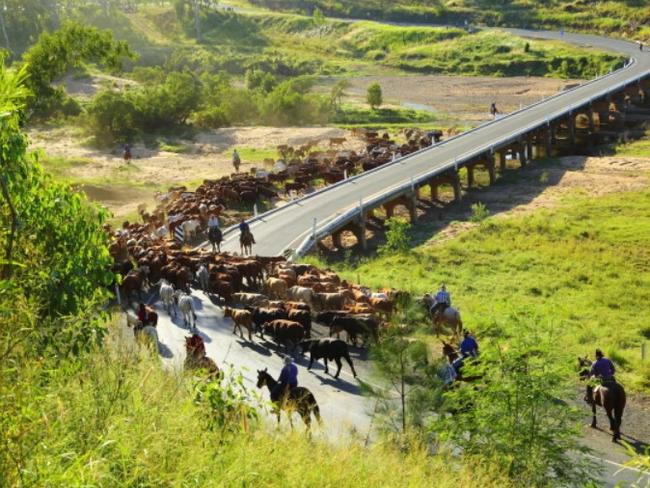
<point x="479" y="212"/>
<point x="257" y="79"/>
<point x="374" y="96"/>
<point x="397" y="238"/>
<point x="113" y="117"/>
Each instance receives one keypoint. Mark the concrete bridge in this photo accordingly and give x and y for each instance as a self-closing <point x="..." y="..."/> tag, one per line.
<point x="594" y="112"/>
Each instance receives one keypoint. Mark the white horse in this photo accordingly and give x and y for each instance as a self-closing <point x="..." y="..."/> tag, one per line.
<point x="167" y="296"/>
<point x="203" y="276"/>
<point x="450" y="317"/>
<point x="186" y="306"/>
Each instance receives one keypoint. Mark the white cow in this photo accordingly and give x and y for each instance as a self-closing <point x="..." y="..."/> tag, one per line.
<point x="167" y="296"/>
<point x="203" y="276"/>
<point x="189" y="228"/>
<point x="186" y="306"/>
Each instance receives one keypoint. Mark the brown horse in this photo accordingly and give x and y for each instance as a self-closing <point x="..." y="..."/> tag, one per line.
<point x="610" y="395"/>
<point x="196" y="357"/>
<point x="246" y="241"/>
<point x="296" y="399"/>
<point x="452" y="355"/>
<point x="449" y="317"/>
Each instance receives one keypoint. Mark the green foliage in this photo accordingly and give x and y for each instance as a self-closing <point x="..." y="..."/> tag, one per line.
<point x="354" y="115"/>
<point x="257" y="79"/>
<point x="318" y="17"/>
<point x="397" y="236"/>
<point x="50" y="230"/>
<point x="374" y="96"/>
<point x="513" y="413"/>
<point x="54" y="54"/>
<point x="402" y="364"/>
<point x="479" y="212"/>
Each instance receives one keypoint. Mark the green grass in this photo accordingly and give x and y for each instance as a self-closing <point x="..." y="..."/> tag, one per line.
<point x="256" y="155"/>
<point x="354" y="114"/>
<point x="582" y="268"/>
<point x="638" y="148"/>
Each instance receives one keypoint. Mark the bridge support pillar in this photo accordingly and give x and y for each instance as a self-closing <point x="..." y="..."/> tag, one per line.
<point x="458" y="191"/>
<point x="433" y="188"/>
<point x="549" y="142"/>
<point x="409" y="202"/>
<point x="502" y="159"/>
<point x="572" y="129"/>
<point x="529" y="148"/>
<point x="336" y="239"/>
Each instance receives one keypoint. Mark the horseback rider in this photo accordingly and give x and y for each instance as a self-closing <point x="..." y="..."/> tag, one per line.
<point x="213" y="221"/>
<point x="469" y="346"/>
<point x="236" y="160"/>
<point x="493" y="110"/>
<point x="603" y="369"/>
<point x="126" y="153"/>
<point x="288" y="379"/>
<point x="443" y="300"/>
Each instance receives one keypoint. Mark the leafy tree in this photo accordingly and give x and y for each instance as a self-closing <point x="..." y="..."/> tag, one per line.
<point x="374" y="96"/>
<point x="318" y="17"/>
<point x="338" y="90"/>
<point x="113" y="117"/>
<point x="402" y="364"/>
<point x="397" y="238"/>
<point x="55" y="251"/>
<point x="513" y="413"/>
<point x="56" y="53"/>
<point x="257" y="79"/>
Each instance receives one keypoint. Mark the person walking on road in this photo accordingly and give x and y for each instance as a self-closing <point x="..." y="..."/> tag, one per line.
<point x="236" y="160"/>
<point x="493" y="110"/>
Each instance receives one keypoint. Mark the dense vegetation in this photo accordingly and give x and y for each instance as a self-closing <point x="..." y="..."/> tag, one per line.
<point x="210" y="69"/>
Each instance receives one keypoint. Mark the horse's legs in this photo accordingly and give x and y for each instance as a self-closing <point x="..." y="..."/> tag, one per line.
<point x="618" y="418"/>
<point x="339" y="365"/>
<point x="311" y="362"/>
<point x="593" y="413"/>
<point x="349" y="360"/>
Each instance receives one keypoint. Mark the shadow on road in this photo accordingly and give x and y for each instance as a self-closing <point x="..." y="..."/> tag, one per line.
<point x="339" y="384"/>
<point x="165" y="351"/>
<point x="256" y="347"/>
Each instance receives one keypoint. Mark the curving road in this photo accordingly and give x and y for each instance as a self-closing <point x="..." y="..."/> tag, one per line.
<point x="286" y="227"/>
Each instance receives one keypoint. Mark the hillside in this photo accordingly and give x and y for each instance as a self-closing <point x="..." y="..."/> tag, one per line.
<point x="629" y="19"/>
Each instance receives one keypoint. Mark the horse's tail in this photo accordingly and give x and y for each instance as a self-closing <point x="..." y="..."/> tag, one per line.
<point x="316" y="411"/>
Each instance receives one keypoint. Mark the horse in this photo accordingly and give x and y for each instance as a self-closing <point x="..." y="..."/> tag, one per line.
<point x="186" y="306"/>
<point x="215" y="236"/>
<point x="196" y="357"/>
<point x="449" y="317"/>
<point x="167" y="296"/>
<point x="453" y="355"/>
<point x="246" y="241"/>
<point x="610" y="395"/>
<point x="298" y="399"/>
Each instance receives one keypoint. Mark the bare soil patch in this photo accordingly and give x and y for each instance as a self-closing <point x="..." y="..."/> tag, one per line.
<point x="459" y="97"/>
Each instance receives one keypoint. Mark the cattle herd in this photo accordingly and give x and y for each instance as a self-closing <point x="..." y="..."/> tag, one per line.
<point x="297" y="171"/>
<point x="261" y="295"/>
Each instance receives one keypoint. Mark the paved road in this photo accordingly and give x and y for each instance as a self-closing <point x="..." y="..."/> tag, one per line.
<point x="342" y="406"/>
<point x="287" y="227"/>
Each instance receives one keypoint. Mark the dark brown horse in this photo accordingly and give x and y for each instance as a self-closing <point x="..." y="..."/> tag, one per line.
<point x="610" y="395"/>
<point x="196" y="357"/>
<point x="215" y="236"/>
<point x="297" y="399"/>
<point x="452" y="355"/>
<point x="246" y="241"/>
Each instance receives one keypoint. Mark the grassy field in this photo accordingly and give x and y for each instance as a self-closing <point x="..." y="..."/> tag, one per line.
<point x="580" y="268"/>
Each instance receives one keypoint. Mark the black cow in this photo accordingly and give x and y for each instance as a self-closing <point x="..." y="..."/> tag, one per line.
<point x="328" y="349"/>
<point x="303" y="317"/>
<point x="262" y="315"/>
<point x="355" y="326"/>
<point x="327" y="316"/>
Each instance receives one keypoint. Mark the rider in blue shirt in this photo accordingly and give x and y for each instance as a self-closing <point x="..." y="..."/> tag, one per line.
<point x="288" y="378"/>
<point x="469" y="346"/>
<point x="443" y="300"/>
<point x="603" y="369"/>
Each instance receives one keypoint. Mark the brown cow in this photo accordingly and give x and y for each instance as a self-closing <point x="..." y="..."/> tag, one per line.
<point x="328" y="301"/>
<point x="382" y="306"/>
<point x="284" y="331"/>
<point x="275" y="288"/>
<point x="241" y="318"/>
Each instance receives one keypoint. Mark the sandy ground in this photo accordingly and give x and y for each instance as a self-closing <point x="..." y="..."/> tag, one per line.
<point x="121" y="187"/>
<point x="456" y="97"/>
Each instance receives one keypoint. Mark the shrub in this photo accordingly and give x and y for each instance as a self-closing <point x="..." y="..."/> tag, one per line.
<point x="374" y="96"/>
<point x="479" y="212"/>
<point x="397" y="238"/>
<point x="112" y="117"/>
